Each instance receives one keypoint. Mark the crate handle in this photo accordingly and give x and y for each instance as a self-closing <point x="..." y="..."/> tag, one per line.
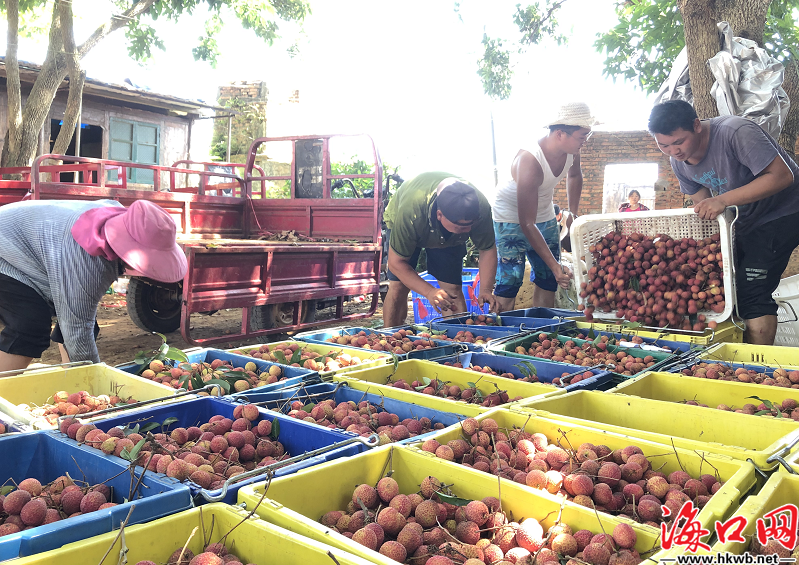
<point x="371" y="441"/>
<point x="789" y="305"/>
<point x="783" y="452"/>
<point x="13" y="372"/>
<point x="207" y="388"/>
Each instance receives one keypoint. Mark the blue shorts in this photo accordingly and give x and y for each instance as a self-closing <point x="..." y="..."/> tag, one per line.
<point x="512" y="247"/>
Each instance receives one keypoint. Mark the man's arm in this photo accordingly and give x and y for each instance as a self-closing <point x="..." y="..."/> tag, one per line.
<point x="574" y="185"/>
<point x="488" y="272"/>
<point x="773" y="179"/>
<point x="401" y="267"/>
<point x="529" y="175"/>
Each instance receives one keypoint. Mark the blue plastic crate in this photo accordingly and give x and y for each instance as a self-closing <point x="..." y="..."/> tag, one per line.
<point x="543" y="313"/>
<point x="516" y="324"/>
<point x="545" y="370"/>
<point x="342" y="393"/>
<point x="45" y="456"/>
<point x="296" y="436"/>
<point x="444" y="347"/>
<point x="294" y="375"/>
<point x="471" y="289"/>
<point x="490" y="332"/>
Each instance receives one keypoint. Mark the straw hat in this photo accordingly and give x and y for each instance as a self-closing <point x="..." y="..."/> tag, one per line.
<point x="574" y="114"/>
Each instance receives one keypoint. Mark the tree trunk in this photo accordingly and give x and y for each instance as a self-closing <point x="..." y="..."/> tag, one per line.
<point x="790" y="129"/>
<point x="77" y="78"/>
<point x="37" y="105"/>
<point x="13" y="90"/>
<point x="701" y="40"/>
<point x="746" y="17"/>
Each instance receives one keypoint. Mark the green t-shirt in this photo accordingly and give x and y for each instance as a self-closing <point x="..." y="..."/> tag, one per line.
<point x="409" y="217"/>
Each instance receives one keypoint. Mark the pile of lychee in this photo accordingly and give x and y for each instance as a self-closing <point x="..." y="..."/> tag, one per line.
<point x="309" y="359"/>
<point x="423" y="529"/>
<point x="589" y="354"/>
<point x="207" y="454"/>
<point x="398" y="342"/>
<point x="621" y="481"/>
<point x="363" y="418"/>
<point x="724" y="372"/>
<point x="658" y="281"/>
<point x="481" y="320"/>
<point x="216" y="369"/>
<point x="32" y="504"/>
<point x="66" y="404"/>
<point x="772" y="547"/>
<point x="463" y="336"/>
<point x="213" y="554"/>
<point x="785" y="409"/>
<point x="444" y="389"/>
<point x="485" y="369"/>
<point x="631" y="338"/>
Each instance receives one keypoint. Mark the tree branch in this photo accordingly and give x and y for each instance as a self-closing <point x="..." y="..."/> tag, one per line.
<point x="116" y="22"/>
<point x="76" y="79"/>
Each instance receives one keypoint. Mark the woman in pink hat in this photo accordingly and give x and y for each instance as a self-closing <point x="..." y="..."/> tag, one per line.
<point x="58" y="258"/>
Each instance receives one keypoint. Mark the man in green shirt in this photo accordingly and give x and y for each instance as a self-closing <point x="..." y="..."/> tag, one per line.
<point x="437" y="212"/>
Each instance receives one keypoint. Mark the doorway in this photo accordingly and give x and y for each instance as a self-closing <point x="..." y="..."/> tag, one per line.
<point x="91" y="144"/>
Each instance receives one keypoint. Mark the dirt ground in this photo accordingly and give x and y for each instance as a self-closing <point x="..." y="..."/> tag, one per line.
<point x="120" y="339"/>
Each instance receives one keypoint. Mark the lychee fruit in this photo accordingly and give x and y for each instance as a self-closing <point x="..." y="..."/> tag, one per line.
<point x="366" y="538"/>
<point x="387" y="488"/>
<point x="468" y="532"/>
<point x="624" y="536"/>
<point x="15" y="500"/>
<point x="33" y="486"/>
<point x="427" y="513"/>
<point x="477" y="512"/>
<point x="394" y="550"/>
<point x="91" y="502"/>
<point x="34" y="512"/>
<point x="367" y="495"/>
<point x="596" y="554"/>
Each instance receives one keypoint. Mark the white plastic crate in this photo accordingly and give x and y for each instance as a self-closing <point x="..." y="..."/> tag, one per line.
<point x="678" y="223"/>
<point x="787" y="297"/>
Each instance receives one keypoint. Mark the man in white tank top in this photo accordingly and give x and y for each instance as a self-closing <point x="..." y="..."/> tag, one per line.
<point x="524" y="214"/>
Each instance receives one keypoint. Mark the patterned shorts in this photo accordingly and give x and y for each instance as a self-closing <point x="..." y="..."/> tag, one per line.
<point x="513" y="247"/>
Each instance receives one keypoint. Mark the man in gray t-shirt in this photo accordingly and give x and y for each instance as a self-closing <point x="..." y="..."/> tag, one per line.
<point x="731" y="161"/>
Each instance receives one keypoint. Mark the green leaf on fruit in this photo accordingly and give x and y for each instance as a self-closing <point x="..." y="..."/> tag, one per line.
<point x="163" y="349"/>
<point x="6" y="489"/>
<point x="133" y="430"/>
<point x="162" y="336"/>
<point x="591" y="334"/>
<point x="768" y="403"/>
<point x="134" y="452"/>
<point x="454" y="500"/>
<point x="168" y="422"/>
<point x="140" y="358"/>
<point x="295" y="357"/>
<point x="761" y="412"/>
<point x="149" y="427"/>
<point x="309" y="407"/>
<point x="471" y="385"/>
<point x="176" y="355"/>
<point x="597" y="339"/>
<point x="275" y="433"/>
<point x="221" y="382"/>
<point x="280" y="357"/>
<point x="499" y="320"/>
<point x="632" y="325"/>
<point x="426" y="381"/>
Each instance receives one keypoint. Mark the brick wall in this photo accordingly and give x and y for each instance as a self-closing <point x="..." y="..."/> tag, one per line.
<point x="626" y="147"/>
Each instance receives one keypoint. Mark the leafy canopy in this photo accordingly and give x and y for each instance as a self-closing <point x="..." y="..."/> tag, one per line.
<point x="260" y="16"/>
<point x="642" y="47"/>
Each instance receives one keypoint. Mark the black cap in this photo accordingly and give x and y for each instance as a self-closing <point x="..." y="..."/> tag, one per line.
<point x="459" y="203"/>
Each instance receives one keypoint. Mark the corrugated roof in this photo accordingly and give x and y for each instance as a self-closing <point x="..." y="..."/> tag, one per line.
<point x="121" y="92"/>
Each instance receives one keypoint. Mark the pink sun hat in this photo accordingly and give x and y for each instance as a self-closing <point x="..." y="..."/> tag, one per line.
<point x="144" y="238"/>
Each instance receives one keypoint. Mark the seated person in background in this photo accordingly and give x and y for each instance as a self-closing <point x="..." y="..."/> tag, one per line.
<point x="633" y="203"/>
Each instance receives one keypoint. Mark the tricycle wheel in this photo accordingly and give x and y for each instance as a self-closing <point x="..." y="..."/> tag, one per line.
<point x="280" y="315"/>
<point x="153" y="306"/>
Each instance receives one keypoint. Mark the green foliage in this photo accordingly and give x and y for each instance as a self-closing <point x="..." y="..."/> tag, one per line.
<point x="536" y="22"/>
<point x="642" y="47"/>
<point x="248" y="125"/>
<point x="494" y="69"/>
<point x="163" y="353"/>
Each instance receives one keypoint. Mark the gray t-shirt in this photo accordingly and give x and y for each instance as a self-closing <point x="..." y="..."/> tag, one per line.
<point x="737" y="152"/>
<point x="37" y="249"/>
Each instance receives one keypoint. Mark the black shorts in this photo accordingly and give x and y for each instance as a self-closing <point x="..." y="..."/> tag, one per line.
<point x="762" y="254"/>
<point x="28" y="320"/>
<point x="443" y="263"/>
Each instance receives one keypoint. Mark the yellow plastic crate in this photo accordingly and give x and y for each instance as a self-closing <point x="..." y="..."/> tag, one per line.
<point x="680" y="425"/>
<point x="738" y="476"/>
<point x="725" y="332"/>
<point x="254" y="541"/>
<point x="368" y="358"/>
<point x="35" y="387"/>
<point x="764" y="355"/>
<point x="296" y="502"/>
<point x="779" y="489"/>
<point x="416" y="370"/>
<point x="673" y="387"/>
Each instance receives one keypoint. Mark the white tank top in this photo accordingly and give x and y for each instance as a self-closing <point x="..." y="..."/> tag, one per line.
<point x="505" y="208"/>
